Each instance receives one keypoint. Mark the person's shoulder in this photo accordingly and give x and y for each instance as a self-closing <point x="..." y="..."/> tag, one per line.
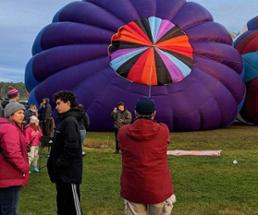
<point x="70" y="120"/>
<point x="164" y="127"/>
<point x="127" y="113"/>
<point x="5" y="122"/>
<point x="9" y="127"/>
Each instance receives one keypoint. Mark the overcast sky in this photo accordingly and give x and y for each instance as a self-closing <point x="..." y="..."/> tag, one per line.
<point x="21" y="20"/>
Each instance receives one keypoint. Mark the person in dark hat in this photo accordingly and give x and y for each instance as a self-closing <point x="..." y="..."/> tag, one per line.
<point x="146" y="181"/>
<point x="120" y="116"/>
<point x="13" y="94"/>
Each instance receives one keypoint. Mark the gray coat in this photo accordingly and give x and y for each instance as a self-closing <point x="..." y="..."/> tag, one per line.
<point x="121" y="118"/>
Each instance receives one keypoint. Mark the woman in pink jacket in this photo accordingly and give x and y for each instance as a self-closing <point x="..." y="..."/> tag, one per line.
<point x="14" y="166"/>
<point x="33" y="135"/>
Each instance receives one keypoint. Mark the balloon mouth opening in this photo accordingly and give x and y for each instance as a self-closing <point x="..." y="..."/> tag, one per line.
<point x="151" y="51"/>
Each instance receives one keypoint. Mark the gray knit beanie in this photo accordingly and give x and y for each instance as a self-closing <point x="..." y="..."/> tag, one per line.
<point x="12" y="107"/>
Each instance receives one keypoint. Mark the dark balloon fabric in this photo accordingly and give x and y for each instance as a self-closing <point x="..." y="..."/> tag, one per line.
<point x="247" y="45"/>
<point x="249" y="111"/>
<point x="107" y="51"/>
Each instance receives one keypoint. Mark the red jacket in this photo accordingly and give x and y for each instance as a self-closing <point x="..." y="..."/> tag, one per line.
<point x="33" y="136"/>
<point x="145" y="175"/>
<point x="14" y="166"/>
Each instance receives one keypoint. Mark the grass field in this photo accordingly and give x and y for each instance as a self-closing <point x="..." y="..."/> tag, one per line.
<point x="204" y="185"/>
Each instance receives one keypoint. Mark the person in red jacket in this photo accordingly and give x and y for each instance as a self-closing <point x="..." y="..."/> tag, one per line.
<point x="14" y="165"/>
<point x="146" y="182"/>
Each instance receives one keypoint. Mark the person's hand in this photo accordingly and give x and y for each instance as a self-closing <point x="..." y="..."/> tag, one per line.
<point x="115" y="110"/>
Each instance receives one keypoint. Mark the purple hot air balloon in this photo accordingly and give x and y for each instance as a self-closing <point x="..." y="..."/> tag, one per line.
<point x="108" y="51"/>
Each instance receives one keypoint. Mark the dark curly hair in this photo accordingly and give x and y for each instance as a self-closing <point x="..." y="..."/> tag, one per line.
<point x="66" y="96"/>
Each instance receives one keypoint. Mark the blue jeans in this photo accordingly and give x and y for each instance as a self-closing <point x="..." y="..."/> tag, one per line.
<point x="82" y="136"/>
<point x="9" y="198"/>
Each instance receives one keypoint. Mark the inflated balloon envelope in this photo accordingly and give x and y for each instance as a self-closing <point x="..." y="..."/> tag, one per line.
<point x="247" y="45"/>
<point x="107" y="51"/>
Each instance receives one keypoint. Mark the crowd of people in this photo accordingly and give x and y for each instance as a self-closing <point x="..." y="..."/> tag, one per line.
<point x="146" y="181"/>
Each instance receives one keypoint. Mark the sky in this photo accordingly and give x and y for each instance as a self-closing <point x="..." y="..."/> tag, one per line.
<point x="21" y="21"/>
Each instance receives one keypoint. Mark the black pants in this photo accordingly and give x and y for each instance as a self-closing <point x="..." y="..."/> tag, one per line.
<point x="68" y="199"/>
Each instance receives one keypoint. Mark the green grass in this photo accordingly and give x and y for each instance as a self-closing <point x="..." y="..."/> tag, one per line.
<point x="203" y="185"/>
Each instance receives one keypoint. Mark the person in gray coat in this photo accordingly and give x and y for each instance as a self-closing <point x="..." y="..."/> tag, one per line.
<point x="120" y="116"/>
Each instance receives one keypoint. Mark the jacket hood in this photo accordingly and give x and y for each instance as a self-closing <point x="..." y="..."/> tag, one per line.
<point x="143" y="129"/>
<point x="4" y="120"/>
<point x="74" y="112"/>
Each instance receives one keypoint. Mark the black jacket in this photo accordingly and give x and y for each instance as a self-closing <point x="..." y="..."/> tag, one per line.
<point x="82" y="117"/>
<point x="45" y="112"/>
<point x="65" y="161"/>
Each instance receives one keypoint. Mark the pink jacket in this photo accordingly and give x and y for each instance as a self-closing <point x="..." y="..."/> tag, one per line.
<point x="14" y="166"/>
<point x="33" y="136"/>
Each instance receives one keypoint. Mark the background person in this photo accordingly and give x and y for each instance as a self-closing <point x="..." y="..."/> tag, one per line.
<point x="45" y="117"/>
<point x="1" y="109"/>
<point x="13" y="94"/>
<point x="33" y="135"/>
<point x="14" y="166"/>
<point x="120" y="116"/>
<point x="146" y="183"/>
<point x="47" y="122"/>
<point x="84" y="122"/>
<point x="32" y="111"/>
